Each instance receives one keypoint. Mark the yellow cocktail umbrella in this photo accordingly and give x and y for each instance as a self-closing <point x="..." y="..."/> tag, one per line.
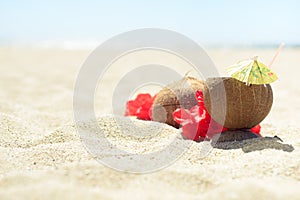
<point x="252" y="71"/>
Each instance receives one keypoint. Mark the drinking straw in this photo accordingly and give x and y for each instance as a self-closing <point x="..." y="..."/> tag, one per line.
<point x="276" y="54"/>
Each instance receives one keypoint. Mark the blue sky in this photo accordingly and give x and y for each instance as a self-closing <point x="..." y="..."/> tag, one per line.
<point x="208" y="22"/>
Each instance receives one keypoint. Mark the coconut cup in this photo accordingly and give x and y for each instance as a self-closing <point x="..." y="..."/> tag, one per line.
<point x="173" y="96"/>
<point x="235" y="105"/>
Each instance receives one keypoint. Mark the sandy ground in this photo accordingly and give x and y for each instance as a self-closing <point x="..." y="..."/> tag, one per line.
<point x="42" y="157"/>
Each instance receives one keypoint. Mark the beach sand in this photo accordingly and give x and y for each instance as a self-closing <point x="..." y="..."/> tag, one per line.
<point x="43" y="157"/>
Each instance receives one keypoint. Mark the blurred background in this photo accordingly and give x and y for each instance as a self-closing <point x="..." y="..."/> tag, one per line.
<point x="86" y="24"/>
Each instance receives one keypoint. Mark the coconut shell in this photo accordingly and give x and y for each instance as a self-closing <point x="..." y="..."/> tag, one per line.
<point x="173" y="96"/>
<point x="234" y="104"/>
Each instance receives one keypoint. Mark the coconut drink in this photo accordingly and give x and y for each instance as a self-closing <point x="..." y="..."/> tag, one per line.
<point x="243" y="100"/>
<point x="241" y="106"/>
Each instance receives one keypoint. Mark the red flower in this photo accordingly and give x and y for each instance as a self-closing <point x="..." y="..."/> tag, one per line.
<point x="197" y="124"/>
<point x="140" y="106"/>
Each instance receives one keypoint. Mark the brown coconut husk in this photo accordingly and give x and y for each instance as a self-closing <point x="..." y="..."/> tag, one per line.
<point x="241" y="106"/>
<point x="173" y="96"/>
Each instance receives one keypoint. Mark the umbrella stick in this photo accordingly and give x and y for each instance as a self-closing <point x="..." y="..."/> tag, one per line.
<point x="276" y="54"/>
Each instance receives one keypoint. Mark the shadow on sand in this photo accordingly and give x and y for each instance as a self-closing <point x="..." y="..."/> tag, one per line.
<point x="248" y="142"/>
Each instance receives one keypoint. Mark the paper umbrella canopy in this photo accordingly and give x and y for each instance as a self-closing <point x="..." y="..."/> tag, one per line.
<point x="252" y="71"/>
